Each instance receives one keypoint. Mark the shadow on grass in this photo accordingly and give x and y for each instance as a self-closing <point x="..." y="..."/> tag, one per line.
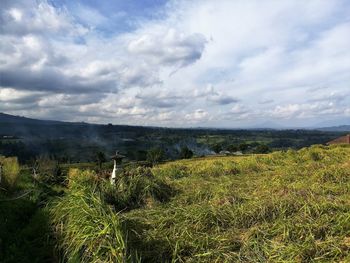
<point x="25" y="231"/>
<point x="150" y="249"/>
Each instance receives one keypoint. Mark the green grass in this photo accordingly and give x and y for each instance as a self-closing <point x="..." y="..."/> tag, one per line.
<point x="291" y="206"/>
<point x="87" y="228"/>
<point x="25" y="228"/>
<point x="282" y="207"/>
<point x="9" y="170"/>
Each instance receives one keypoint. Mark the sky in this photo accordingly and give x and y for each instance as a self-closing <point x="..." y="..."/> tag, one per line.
<point x="191" y="63"/>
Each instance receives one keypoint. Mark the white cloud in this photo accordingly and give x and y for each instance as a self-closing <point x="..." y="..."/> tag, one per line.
<point x="198" y="115"/>
<point x="16" y="14"/>
<point x="168" y="47"/>
<point x="307" y="110"/>
<point x="263" y="60"/>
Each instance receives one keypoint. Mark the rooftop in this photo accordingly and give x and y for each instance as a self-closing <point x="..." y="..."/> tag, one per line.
<point x="117" y="156"/>
<point x="341" y="140"/>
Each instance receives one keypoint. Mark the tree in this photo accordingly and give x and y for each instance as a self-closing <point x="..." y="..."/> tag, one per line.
<point x="100" y="159"/>
<point x="155" y="155"/>
<point x="243" y="147"/>
<point x="232" y="148"/>
<point x="185" y="153"/>
<point x="217" y="148"/>
<point x="262" y="148"/>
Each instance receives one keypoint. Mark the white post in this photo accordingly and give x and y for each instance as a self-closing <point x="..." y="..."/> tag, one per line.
<point x="114" y="172"/>
<point x="35" y="175"/>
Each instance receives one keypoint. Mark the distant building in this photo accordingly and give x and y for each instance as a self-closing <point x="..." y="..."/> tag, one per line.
<point x="341" y="140"/>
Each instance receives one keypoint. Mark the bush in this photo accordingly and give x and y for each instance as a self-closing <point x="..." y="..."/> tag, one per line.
<point x="9" y="172"/>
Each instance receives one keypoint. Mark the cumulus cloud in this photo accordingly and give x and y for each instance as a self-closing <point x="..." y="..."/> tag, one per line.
<point x="169" y="48"/>
<point x="184" y="65"/>
<point x="30" y="17"/>
<point x="307" y="110"/>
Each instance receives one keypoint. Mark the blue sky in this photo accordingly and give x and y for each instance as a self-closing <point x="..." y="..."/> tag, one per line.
<point x="113" y="17"/>
<point x="225" y="63"/>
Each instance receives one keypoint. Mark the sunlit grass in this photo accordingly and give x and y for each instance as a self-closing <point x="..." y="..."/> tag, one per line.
<point x="9" y="171"/>
<point x="291" y="206"/>
<point x="87" y="229"/>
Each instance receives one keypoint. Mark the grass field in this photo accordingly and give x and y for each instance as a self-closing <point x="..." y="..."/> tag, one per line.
<point x="289" y="206"/>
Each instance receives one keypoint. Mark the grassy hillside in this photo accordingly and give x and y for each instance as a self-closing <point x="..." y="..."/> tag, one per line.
<point x="289" y="206"/>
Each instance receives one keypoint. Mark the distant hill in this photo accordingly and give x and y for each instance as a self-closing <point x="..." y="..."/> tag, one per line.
<point x="7" y="118"/>
<point x="336" y="128"/>
<point x="27" y="138"/>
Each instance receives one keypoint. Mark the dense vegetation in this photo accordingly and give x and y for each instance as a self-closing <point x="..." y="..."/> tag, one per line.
<point x="81" y="142"/>
<point x="288" y="206"/>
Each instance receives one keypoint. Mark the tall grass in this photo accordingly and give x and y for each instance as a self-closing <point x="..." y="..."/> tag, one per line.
<point x="9" y="173"/>
<point x="136" y="188"/>
<point x="290" y="206"/>
<point x="88" y="230"/>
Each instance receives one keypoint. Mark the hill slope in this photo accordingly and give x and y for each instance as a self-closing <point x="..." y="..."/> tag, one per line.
<point x="7" y="118"/>
<point x="283" y="207"/>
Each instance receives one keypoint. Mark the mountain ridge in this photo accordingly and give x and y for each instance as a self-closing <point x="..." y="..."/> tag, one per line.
<point x="16" y="119"/>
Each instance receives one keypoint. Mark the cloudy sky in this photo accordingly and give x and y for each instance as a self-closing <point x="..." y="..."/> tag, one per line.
<point x="222" y="63"/>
